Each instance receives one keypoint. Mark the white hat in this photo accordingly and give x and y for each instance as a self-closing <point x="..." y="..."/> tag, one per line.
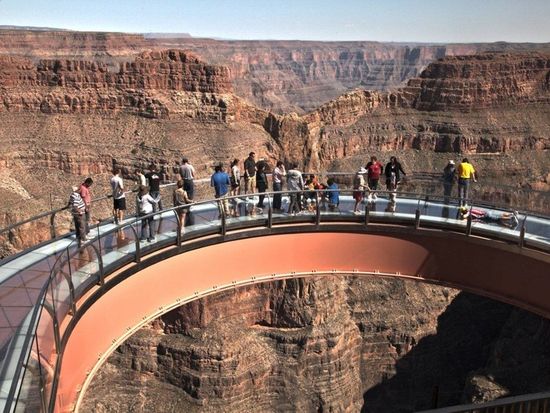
<point x="75" y="188"/>
<point x="362" y="171"/>
<point x="451" y="162"/>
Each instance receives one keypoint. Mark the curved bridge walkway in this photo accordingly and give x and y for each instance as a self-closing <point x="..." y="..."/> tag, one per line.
<point x="64" y="309"/>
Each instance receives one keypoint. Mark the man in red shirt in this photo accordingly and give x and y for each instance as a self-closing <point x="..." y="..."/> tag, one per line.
<point x="87" y="198"/>
<point x="374" y="170"/>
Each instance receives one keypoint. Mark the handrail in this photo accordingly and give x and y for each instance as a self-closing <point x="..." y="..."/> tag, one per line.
<point x="261" y="222"/>
<point x="526" y="403"/>
<point x="436" y="179"/>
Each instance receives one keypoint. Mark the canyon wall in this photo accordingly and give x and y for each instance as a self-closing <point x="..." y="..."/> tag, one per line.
<point x="73" y="86"/>
<point x="324" y="344"/>
<point x="67" y="118"/>
<point x="298" y="76"/>
<point x="63" y="120"/>
<point x="280" y="76"/>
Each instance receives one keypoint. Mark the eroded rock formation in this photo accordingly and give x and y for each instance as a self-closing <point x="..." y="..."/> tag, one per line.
<point x="89" y="123"/>
<point x="68" y="86"/>
<point x="323" y="344"/>
<point x="280" y="76"/>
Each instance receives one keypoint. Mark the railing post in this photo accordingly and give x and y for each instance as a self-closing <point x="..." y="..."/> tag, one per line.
<point x="72" y="310"/>
<point x="137" y="240"/>
<point x="179" y="226"/>
<point x="269" y="212"/>
<point x="417" y="219"/>
<point x="469" y="225"/>
<point x="53" y="233"/>
<point x="222" y="218"/>
<point x="317" y="209"/>
<point x="521" y="240"/>
<point x="367" y="214"/>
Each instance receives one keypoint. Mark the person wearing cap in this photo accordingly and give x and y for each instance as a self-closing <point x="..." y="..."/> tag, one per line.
<point x="78" y="209"/>
<point x="359" y="187"/>
<point x="466" y="173"/>
<point x="449" y="177"/>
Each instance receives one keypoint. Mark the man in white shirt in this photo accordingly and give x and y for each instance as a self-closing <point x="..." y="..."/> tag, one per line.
<point x="119" y="199"/>
<point x="187" y="172"/>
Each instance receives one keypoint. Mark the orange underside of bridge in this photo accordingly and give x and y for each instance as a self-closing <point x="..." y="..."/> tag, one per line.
<point x="490" y="269"/>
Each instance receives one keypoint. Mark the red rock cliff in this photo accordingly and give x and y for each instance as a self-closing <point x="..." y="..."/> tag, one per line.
<point x="479" y="81"/>
<point x="69" y="86"/>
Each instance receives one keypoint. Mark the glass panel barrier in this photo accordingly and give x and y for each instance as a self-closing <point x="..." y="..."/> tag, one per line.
<point x="47" y="351"/>
<point x="118" y="245"/>
<point x="84" y="265"/>
<point x="537" y="231"/>
<point x="61" y="291"/>
<point x="29" y="399"/>
<point x="203" y="217"/>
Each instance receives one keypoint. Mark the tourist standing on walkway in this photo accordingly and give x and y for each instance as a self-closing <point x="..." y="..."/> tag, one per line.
<point x="359" y="187"/>
<point x="393" y="173"/>
<point x="78" y="209"/>
<point x="180" y="200"/>
<point x="466" y="173"/>
<point x="374" y="170"/>
<point x="295" y="182"/>
<point x="141" y="180"/>
<point x="449" y="177"/>
<point x="145" y="205"/>
<point x="220" y="181"/>
<point x="250" y="173"/>
<point x="87" y="197"/>
<point x="119" y="199"/>
<point x="187" y="173"/>
<point x="333" y="195"/>
<point x="153" y="180"/>
<point x="261" y="182"/>
<point x="278" y="174"/>
<point x="235" y="178"/>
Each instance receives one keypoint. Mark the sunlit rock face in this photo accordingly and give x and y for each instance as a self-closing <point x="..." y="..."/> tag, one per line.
<point x="63" y="120"/>
<point x="325" y="344"/>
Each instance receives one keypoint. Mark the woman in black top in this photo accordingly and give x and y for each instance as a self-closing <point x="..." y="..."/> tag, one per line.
<point x="393" y="172"/>
<point x="261" y="182"/>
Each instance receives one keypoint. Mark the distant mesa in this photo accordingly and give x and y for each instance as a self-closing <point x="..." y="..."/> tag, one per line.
<point x="167" y="35"/>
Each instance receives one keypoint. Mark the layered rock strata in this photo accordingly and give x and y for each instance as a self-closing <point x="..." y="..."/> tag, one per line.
<point x="323" y="344"/>
<point x="56" y="86"/>
<point x="280" y="76"/>
<point x="56" y="134"/>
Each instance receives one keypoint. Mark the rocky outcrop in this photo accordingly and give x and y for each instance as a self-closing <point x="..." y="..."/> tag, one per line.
<point x="145" y="86"/>
<point x="53" y="44"/>
<point x="299" y="76"/>
<point x="280" y="76"/>
<point x="326" y="344"/>
<point x="297" y="345"/>
<point x="481" y="81"/>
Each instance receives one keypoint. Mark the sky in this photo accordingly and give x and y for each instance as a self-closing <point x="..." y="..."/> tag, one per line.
<point x="442" y="21"/>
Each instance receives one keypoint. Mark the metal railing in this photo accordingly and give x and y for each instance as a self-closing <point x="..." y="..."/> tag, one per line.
<point x="37" y="347"/>
<point x="429" y="180"/>
<point x="527" y="403"/>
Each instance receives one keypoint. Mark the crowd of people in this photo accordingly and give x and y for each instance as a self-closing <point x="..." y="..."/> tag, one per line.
<point x="304" y="190"/>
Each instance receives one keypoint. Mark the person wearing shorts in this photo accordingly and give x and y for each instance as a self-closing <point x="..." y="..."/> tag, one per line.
<point x="119" y="198"/>
<point x="250" y="173"/>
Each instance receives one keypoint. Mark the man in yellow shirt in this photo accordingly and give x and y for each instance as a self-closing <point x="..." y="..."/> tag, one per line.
<point x="466" y="173"/>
